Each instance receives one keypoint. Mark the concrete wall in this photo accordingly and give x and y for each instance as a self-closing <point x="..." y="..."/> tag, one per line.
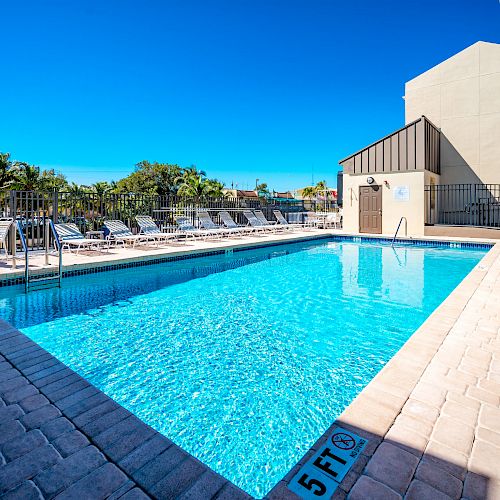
<point x="462" y="97"/>
<point x="392" y="210"/>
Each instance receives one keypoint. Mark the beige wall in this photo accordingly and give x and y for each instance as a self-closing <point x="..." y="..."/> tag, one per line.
<point x="462" y="97"/>
<point x="392" y="210"/>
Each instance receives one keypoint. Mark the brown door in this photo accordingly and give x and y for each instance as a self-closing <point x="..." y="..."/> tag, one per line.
<point x="370" y="209"/>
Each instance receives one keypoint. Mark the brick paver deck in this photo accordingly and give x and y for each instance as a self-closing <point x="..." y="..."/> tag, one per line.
<point x="60" y="437"/>
<point x="432" y="417"/>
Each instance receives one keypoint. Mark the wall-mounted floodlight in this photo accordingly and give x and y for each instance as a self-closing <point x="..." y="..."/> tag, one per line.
<point x="370" y="180"/>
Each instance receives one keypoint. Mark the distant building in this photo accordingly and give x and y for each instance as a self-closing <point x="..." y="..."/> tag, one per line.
<point x="253" y="195"/>
<point x="241" y="194"/>
<point x="287" y="195"/>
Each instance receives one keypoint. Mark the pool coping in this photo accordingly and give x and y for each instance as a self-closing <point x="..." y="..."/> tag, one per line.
<point x="16" y="277"/>
<point x="75" y="419"/>
<point x="445" y="377"/>
<point x="373" y="414"/>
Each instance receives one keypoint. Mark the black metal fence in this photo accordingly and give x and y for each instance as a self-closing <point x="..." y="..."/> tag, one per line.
<point x="463" y="204"/>
<point x="89" y="210"/>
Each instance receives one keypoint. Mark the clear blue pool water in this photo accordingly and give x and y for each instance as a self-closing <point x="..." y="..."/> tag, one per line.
<point x="243" y="360"/>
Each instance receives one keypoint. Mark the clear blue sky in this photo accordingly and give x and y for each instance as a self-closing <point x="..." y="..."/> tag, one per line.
<point x="272" y="89"/>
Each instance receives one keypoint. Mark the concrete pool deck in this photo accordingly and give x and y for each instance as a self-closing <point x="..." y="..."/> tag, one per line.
<point x="432" y="417"/>
<point x="123" y="255"/>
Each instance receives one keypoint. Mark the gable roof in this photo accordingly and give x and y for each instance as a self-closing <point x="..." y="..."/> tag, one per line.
<point x="246" y="194"/>
<point x="408" y="125"/>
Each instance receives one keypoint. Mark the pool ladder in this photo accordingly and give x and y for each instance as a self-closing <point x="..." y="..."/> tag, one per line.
<point x="46" y="280"/>
<point x="397" y="230"/>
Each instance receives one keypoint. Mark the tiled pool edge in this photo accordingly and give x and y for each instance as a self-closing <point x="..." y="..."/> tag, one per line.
<point x="366" y="415"/>
<point x="184" y="254"/>
<point x="65" y="437"/>
<point x="438" y="382"/>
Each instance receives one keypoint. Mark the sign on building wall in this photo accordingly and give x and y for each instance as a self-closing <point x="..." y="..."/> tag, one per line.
<point x="401" y="193"/>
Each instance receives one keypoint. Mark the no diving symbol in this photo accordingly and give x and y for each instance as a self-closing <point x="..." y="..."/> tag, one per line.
<point x="343" y="441"/>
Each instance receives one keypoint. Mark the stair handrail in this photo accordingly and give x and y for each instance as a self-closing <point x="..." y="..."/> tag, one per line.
<point x="25" y="250"/>
<point x="397" y="230"/>
<point x="50" y="228"/>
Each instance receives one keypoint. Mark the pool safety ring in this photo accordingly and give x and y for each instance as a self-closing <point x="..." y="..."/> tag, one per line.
<point x="343" y="441"/>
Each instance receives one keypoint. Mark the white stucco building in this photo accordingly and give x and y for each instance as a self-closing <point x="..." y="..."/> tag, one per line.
<point x="451" y="138"/>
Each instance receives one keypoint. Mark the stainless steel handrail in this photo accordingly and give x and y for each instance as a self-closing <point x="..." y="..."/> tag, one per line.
<point x="397" y="230"/>
<point x="49" y="227"/>
<point x="25" y="250"/>
<point x="58" y="248"/>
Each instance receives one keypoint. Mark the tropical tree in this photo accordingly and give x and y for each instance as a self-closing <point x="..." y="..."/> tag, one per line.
<point x="321" y="186"/>
<point x="323" y="190"/>
<point x="28" y="177"/>
<point x="76" y="190"/>
<point x="192" y="183"/>
<point x="262" y="190"/>
<point x="193" y="170"/>
<point x="216" y="188"/>
<point x="101" y="188"/>
<point x="50" y="180"/>
<point x="151" y="178"/>
<point x="309" y="192"/>
<point x="8" y="172"/>
<point x="194" y="186"/>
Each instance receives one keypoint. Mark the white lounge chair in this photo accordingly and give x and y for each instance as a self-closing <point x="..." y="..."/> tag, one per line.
<point x="5" y="225"/>
<point x="283" y="222"/>
<point x="278" y="227"/>
<point x="148" y="227"/>
<point x="120" y="233"/>
<point x="260" y="215"/>
<point x="258" y="224"/>
<point x="186" y="228"/>
<point x="208" y="224"/>
<point x="229" y="222"/>
<point x="71" y="237"/>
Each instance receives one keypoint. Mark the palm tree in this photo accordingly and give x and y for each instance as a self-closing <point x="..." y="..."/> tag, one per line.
<point x="8" y="172"/>
<point x="101" y="188"/>
<point x="76" y="190"/>
<point x="29" y="178"/>
<point x="194" y="186"/>
<point x="188" y="173"/>
<point x="321" y="186"/>
<point x="262" y="190"/>
<point x="309" y="192"/>
<point x="215" y="188"/>
<point x="52" y="181"/>
<point x="193" y="170"/>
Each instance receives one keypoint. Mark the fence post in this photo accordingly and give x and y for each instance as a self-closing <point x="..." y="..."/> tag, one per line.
<point x="47" y="238"/>
<point x="55" y="206"/>
<point x="12" y="204"/>
<point x="13" y="237"/>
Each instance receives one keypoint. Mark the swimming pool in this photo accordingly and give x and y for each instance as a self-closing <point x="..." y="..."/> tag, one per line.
<point x="243" y="359"/>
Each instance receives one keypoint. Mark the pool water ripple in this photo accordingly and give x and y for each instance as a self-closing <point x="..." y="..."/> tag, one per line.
<point x="243" y="368"/>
